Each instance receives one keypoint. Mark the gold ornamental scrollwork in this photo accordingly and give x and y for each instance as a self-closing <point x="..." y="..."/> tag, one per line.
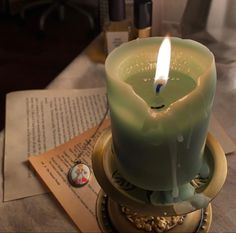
<point x="151" y="223"/>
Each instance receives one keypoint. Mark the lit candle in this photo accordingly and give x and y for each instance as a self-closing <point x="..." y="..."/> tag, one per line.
<point x="159" y="138"/>
<point x="163" y="65"/>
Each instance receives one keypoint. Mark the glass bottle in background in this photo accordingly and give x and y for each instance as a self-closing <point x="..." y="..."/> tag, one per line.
<point x="103" y="13"/>
<point x="118" y="29"/>
<point x="142" y="18"/>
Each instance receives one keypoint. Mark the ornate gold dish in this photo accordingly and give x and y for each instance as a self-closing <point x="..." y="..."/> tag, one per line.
<point x="123" y="207"/>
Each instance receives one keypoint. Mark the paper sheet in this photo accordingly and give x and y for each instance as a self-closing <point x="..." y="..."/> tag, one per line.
<point x="53" y="167"/>
<point x="39" y="120"/>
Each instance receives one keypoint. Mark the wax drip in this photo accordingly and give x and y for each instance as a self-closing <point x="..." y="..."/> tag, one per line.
<point x="180" y="138"/>
<point x="189" y="139"/>
<point x="173" y="155"/>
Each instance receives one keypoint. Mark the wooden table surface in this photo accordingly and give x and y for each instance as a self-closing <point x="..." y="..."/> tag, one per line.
<point x="42" y="213"/>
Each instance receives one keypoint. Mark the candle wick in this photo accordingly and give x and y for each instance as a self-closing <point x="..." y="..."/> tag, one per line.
<point x="158" y="107"/>
<point x="158" y="87"/>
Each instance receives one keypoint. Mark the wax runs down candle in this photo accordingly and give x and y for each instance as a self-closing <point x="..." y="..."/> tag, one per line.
<point x="160" y="149"/>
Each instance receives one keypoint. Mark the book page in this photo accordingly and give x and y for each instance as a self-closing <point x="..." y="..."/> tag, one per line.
<point x="53" y="167"/>
<point x="39" y="120"/>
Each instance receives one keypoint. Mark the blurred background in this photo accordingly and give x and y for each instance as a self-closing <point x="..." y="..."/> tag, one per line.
<point x="39" y="38"/>
<point x="29" y="57"/>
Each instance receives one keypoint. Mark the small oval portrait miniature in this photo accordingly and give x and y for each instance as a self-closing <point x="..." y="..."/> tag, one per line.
<point x="79" y="175"/>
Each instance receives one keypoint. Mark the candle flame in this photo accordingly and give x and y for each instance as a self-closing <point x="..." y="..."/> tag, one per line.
<point x="163" y="65"/>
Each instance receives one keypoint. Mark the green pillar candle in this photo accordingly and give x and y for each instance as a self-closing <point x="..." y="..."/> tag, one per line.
<point x="159" y="139"/>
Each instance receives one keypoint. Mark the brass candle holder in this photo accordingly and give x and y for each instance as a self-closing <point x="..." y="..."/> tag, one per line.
<point x="123" y="207"/>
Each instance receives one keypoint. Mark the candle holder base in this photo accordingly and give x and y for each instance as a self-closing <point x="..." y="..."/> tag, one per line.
<point x="127" y="208"/>
<point x="113" y="217"/>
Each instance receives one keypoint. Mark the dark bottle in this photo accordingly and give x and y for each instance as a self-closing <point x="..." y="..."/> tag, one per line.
<point x="142" y="18"/>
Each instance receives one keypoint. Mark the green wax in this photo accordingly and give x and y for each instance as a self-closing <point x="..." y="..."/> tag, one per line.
<point x="178" y="86"/>
<point x="160" y="150"/>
